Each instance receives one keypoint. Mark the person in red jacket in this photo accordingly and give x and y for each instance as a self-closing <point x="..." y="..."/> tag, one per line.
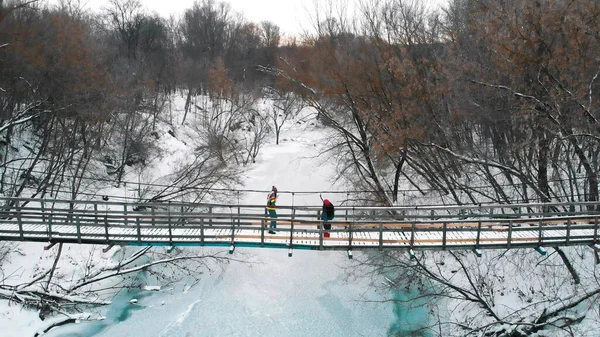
<point x="326" y="215"/>
<point x="271" y="200"/>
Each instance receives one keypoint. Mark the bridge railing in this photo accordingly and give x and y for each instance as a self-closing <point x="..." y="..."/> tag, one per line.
<point x="113" y="222"/>
<point x="447" y="212"/>
<point x="108" y="208"/>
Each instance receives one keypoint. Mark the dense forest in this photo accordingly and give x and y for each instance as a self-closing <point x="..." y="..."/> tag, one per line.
<point x="421" y="99"/>
<point x="481" y="101"/>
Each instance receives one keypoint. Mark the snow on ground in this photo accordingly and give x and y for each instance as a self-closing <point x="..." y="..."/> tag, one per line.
<point x="26" y="265"/>
<point x="274" y="295"/>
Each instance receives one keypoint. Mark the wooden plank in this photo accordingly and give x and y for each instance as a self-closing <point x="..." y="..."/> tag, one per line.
<point x="459" y="240"/>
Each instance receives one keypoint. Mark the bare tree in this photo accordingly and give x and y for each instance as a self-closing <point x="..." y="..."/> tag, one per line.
<point x="55" y="291"/>
<point x="500" y="294"/>
<point x="286" y="106"/>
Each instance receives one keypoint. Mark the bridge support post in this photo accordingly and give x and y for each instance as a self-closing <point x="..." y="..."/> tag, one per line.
<point x="231" y="249"/>
<point x="477" y="252"/>
<point x="48" y="247"/>
<point x="290" y="252"/>
<point x="107" y="248"/>
<point x="411" y="254"/>
<point x="350" y="254"/>
<point x="202" y="232"/>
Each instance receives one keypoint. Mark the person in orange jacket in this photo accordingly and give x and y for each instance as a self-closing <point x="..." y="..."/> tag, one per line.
<point x="271" y="200"/>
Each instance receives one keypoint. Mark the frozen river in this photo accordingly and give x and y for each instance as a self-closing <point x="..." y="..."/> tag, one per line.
<point x="276" y="295"/>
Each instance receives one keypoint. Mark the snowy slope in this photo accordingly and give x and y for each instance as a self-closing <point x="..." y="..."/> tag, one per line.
<point x="273" y="295"/>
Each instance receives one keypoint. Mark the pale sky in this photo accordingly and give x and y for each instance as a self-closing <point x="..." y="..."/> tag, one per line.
<point x="289" y="15"/>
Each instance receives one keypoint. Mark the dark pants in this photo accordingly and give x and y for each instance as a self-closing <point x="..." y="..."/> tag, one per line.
<point x="272" y="215"/>
<point x="326" y="225"/>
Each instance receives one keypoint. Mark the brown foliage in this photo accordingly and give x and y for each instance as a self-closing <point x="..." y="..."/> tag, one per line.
<point x="218" y="83"/>
<point x="55" y="56"/>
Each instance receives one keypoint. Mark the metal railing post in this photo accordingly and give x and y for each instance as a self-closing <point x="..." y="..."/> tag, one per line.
<point x="540" y="233"/>
<point x="595" y="230"/>
<point x="292" y="227"/>
<point x="509" y="239"/>
<point x="181" y="217"/>
<point x="350" y="235"/>
<point x="380" y="235"/>
<point x="478" y="234"/>
<point x="262" y="232"/>
<point x="106" y="228"/>
<point x="201" y="231"/>
<point x="19" y="221"/>
<point x="232" y="227"/>
<point x="139" y="230"/>
<point x="412" y="235"/>
<point x="444" y="230"/>
<point x="210" y="212"/>
<point x="124" y="214"/>
<point x="321" y="235"/>
<point x="78" y="229"/>
<point x="96" y="214"/>
<point x="170" y="224"/>
<point x="153" y="214"/>
<point x="568" y="231"/>
<point x="48" y="224"/>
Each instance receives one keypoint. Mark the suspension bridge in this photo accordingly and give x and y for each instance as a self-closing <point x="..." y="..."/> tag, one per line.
<point x="410" y="228"/>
